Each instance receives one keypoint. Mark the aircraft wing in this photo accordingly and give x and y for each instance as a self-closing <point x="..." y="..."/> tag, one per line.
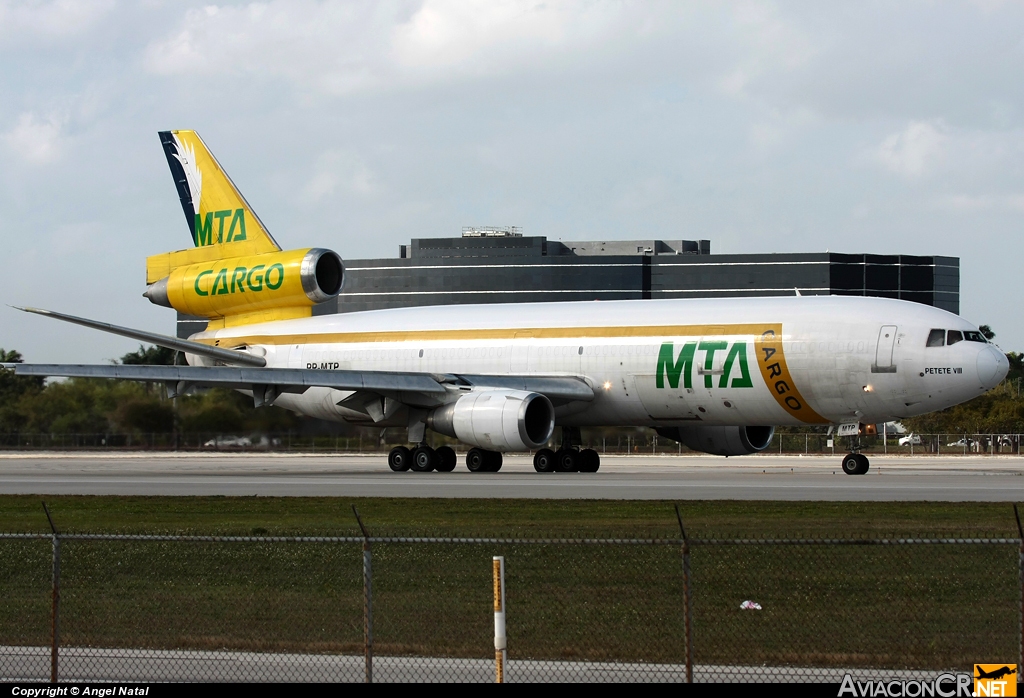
<point x="297" y="380"/>
<point x="248" y="373"/>
<point x="290" y="379"/>
<point x="564" y="388"/>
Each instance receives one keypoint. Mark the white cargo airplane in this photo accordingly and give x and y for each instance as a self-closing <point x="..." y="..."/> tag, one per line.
<point x="714" y="374"/>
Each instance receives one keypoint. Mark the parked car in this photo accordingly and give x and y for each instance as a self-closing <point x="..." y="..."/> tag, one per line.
<point x="962" y="443"/>
<point x="228" y="442"/>
<point x="910" y="440"/>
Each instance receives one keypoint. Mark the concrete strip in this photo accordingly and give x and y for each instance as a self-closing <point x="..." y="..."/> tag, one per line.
<point x="793" y="478"/>
<point x="144" y="666"/>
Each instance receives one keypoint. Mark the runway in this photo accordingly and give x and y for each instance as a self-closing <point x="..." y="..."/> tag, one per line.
<point x="787" y="478"/>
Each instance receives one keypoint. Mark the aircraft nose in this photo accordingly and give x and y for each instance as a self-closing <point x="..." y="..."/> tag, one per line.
<point x="992" y="367"/>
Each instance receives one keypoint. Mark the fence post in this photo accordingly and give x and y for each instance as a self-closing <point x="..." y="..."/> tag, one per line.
<point x="1020" y="582"/>
<point x="55" y="611"/>
<point x="687" y="611"/>
<point x="367" y="600"/>
<point x="500" y="641"/>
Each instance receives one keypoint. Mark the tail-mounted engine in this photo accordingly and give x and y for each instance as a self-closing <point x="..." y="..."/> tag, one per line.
<point x="721" y="441"/>
<point x="240" y="287"/>
<point x="497" y="420"/>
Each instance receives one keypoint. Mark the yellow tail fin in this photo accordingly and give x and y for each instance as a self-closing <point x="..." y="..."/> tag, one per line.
<point x="222" y="223"/>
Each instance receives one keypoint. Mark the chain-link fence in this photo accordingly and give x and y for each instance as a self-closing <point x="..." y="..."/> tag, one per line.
<point x="199" y="608"/>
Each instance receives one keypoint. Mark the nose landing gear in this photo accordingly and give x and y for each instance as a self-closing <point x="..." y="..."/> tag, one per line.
<point x="855" y="464"/>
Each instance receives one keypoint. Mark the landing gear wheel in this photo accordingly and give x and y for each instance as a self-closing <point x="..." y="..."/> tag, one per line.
<point x="855" y="464"/>
<point x="476" y="460"/>
<point x="589" y="461"/>
<point x="493" y="461"/>
<point x="567" y="460"/>
<point x="446" y="459"/>
<point x="480" y="461"/>
<point x="544" y="461"/>
<point x="400" y="459"/>
<point x="424" y="459"/>
<point x="864" y="463"/>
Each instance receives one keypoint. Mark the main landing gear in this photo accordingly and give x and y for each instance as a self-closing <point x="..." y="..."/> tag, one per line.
<point x="480" y="461"/>
<point x="570" y="458"/>
<point x="855" y="464"/>
<point x="566" y="460"/>
<point x="424" y="459"/>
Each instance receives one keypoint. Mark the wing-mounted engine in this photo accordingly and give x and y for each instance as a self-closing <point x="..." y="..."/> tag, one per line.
<point x="237" y="289"/>
<point x="497" y="420"/>
<point x="721" y="441"/>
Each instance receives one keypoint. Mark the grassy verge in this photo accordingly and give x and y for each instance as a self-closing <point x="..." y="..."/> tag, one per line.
<point x="892" y="606"/>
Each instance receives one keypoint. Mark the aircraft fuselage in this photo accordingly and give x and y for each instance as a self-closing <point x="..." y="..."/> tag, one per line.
<point x="716" y="362"/>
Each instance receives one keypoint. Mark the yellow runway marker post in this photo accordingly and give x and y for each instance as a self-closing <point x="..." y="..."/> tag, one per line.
<point x="500" y="652"/>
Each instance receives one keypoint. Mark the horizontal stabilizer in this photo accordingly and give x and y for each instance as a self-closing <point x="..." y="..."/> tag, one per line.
<point x="228" y="356"/>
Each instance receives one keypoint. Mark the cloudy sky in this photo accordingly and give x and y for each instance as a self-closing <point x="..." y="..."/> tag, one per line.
<point x="766" y="127"/>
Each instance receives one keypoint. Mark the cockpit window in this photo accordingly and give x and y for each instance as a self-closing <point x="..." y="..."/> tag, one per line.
<point x="974" y="337"/>
<point x="954" y="336"/>
<point x="936" y="338"/>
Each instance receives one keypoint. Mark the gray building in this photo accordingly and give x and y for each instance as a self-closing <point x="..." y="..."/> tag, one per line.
<point x="499" y="265"/>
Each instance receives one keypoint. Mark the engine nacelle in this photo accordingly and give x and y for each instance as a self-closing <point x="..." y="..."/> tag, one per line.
<point x="242" y="285"/>
<point x="497" y="420"/>
<point x="721" y="441"/>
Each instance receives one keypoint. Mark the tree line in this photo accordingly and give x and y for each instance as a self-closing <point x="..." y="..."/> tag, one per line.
<point x="30" y="405"/>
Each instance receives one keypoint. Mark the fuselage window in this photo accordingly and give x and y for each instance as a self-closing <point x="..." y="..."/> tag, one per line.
<point x="936" y="337"/>
<point x="974" y="337"/>
<point x="954" y="336"/>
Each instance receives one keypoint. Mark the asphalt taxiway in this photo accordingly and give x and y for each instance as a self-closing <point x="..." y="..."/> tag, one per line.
<point x="787" y="478"/>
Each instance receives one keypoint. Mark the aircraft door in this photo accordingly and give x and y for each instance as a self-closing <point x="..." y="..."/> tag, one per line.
<point x="519" y="360"/>
<point x="295" y="353"/>
<point x="884" y="350"/>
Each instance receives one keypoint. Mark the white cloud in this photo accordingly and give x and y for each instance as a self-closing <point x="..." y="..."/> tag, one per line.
<point x="338" y="173"/>
<point x="974" y="203"/>
<point x="58" y="19"/>
<point x="70" y="239"/>
<point x="644" y="194"/>
<point x="759" y="41"/>
<point x="332" y="46"/>
<point x="338" y="48"/>
<point x="486" y="36"/>
<point x="915" y="150"/>
<point x="37" y="141"/>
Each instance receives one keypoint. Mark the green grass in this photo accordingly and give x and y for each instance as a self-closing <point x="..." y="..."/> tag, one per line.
<point x="892" y="606"/>
<point x="505" y="517"/>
